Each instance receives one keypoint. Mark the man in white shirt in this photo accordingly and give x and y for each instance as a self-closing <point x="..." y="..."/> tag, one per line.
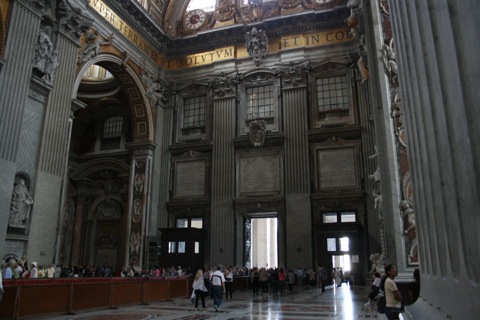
<point x="217" y="280"/>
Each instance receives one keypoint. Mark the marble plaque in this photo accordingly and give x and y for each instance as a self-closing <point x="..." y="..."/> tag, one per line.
<point x="14" y="248"/>
<point x="190" y="178"/>
<point x="260" y="174"/>
<point x="336" y="168"/>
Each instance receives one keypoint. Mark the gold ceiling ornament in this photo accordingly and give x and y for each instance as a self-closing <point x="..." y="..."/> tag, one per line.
<point x="226" y="11"/>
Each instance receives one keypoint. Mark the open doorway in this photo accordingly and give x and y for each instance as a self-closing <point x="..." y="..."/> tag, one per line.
<point x="261" y="242"/>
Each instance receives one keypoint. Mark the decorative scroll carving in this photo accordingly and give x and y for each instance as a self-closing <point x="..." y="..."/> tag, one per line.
<point x="224" y="84"/>
<point x="257" y="133"/>
<point x="293" y="73"/>
<point x="92" y="46"/>
<point x="72" y="20"/>
<point x="257" y="45"/>
<point x="225" y="11"/>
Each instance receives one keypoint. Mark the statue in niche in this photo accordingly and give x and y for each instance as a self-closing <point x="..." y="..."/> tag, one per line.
<point x="408" y="213"/>
<point x="51" y="67"/>
<point x="22" y="201"/>
<point x="92" y="46"/>
<point x="257" y="45"/>
<point x="43" y="49"/>
<point x="257" y="132"/>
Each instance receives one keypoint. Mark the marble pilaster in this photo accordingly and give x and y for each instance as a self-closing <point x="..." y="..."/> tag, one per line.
<point x="223" y="176"/>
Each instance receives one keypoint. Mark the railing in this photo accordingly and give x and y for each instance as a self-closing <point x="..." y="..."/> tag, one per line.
<point x="24" y="298"/>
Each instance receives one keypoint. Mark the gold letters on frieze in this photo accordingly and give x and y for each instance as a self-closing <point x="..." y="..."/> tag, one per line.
<point x="227" y="53"/>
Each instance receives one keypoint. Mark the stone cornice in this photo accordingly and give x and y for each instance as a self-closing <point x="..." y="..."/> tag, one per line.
<point x="305" y="22"/>
<point x="133" y="14"/>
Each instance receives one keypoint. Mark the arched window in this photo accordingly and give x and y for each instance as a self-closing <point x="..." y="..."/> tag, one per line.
<point x="205" y="5"/>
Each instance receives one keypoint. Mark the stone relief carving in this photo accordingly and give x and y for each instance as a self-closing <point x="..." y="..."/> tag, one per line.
<point x="293" y="73"/>
<point x="257" y="45"/>
<point x="224" y="84"/>
<point x="135" y="242"/>
<point x="21" y="204"/>
<point x="92" y="46"/>
<point x="257" y="133"/>
<point x="378" y="263"/>
<point x="156" y="88"/>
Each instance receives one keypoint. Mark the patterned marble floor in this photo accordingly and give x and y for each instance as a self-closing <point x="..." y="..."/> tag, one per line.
<point x="343" y="303"/>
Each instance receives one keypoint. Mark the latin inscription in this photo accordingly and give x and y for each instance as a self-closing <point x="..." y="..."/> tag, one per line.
<point x="190" y="178"/>
<point x="260" y="174"/>
<point x="336" y="168"/>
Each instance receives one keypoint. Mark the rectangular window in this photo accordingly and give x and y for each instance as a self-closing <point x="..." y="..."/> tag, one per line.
<point x="348" y="217"/>
<point x="330" y="217"/>
<point x="182" y="223"/>
<point x="344" y="244"/>
<point x="181" y="246"/>
<point x="172" y="247"/>
<point x="331" y="244"/>
<point x="260" y="102"/>
<point x="194" y="112"/>
<point x="332" y="94"/>
<point x="197" y="247"/>
<point x="197" y="223"/>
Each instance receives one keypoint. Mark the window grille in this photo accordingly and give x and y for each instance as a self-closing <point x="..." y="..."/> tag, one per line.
<point x="260" y="102"/>
<point x="332" y="94"/>
<point x="194" y="112"/>
<point x="112" y="133"/>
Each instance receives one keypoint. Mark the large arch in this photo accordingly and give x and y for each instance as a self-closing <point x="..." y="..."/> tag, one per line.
<point x="140" y="107"/>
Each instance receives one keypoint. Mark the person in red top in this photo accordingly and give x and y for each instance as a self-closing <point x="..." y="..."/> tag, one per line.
<point x="282" y="276"/>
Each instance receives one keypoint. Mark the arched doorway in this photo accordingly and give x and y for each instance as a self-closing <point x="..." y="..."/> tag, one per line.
<point x="109" y="167"/>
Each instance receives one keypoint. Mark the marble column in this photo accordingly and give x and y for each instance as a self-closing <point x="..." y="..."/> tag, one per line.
<point x="437" y="51"/>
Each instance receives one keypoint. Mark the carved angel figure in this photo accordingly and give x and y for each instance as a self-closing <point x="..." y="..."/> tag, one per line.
<point x="406" y="208"/>
<point x="257" y="45"/>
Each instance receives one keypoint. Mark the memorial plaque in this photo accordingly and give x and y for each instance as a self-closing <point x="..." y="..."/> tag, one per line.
<point x="190" y="177"/>
<point x="260" y="174"/>
<point x="336" y="168"/>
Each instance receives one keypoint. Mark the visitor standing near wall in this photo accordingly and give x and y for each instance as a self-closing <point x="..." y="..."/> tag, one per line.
<point x="217" y="280"/>
<point x="1" y="286"/>
<point x="393" y="296"/>
<point x="228" y="283"/>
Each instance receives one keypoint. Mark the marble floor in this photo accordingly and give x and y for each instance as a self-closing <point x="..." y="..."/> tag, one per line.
<point x="338" y="303"/>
